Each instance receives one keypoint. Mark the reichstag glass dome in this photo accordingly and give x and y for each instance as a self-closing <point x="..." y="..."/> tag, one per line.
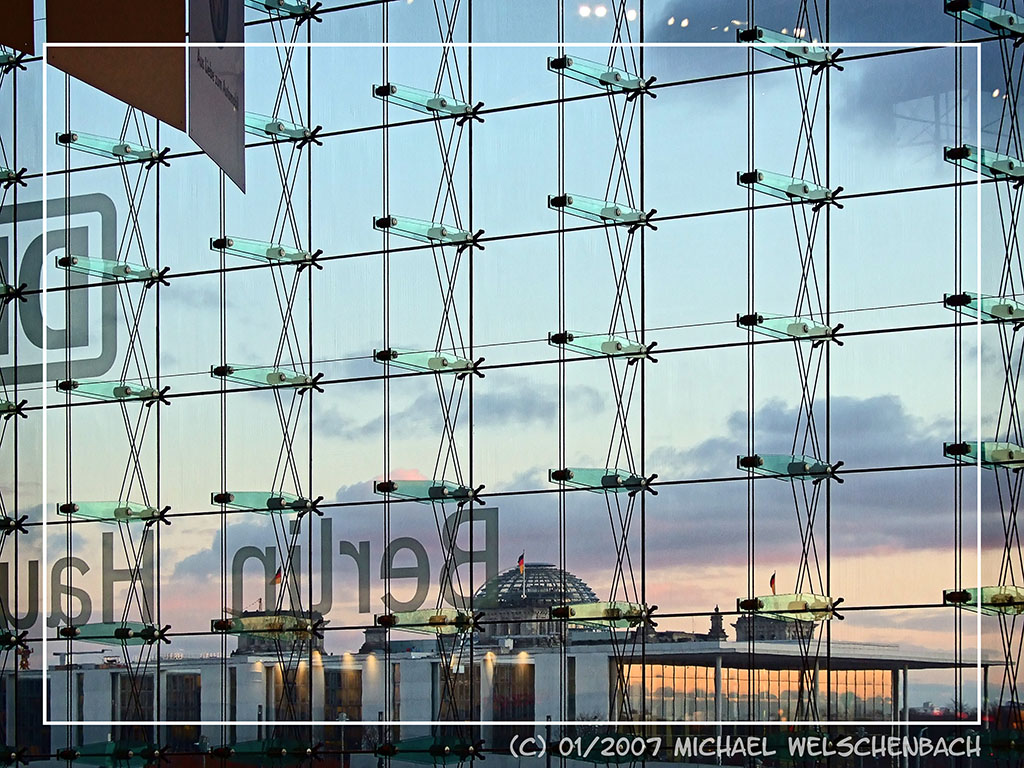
<point x="543" y="587"/>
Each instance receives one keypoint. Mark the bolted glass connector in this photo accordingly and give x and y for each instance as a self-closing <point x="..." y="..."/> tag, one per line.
<point x="597" y="479"/>
<point x="262" y="376"/>
<point x="263" y="502"/>
<point x="429" y="621"/>
<point x="987" y="17"/>
<point x="804" y="606"/>
<point x="425" y="102"/>
<point x="787" y="48"/>
<point x="424" y="231"/>
<point x="785" y="327"/>
<point x="110" y="390"/>
<point x="425" y="491"/>
<point x="110" y="511"/>
<point x="107" y="268"/>
<point x="615" y="614"/>
<point x="267" y="127"/>
<point x="988" y="308"/>
<point x="258" y="250"/>
<point x="1001" y="600"/>
<point x="595" y="209"/>
<point x="787" y="188"/>
<point x="992" y="455"/>
<point x="116" y="149"/>
<point x="994" y="165"/>
<point x="599" y="75"/>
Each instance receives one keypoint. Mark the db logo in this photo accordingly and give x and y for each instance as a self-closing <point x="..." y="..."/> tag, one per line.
<point x="80" y="321"/>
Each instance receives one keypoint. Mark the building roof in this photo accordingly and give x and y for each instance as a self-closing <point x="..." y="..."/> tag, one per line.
<point x="540" y="585"/>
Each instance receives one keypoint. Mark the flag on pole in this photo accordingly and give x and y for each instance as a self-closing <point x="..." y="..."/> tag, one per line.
<point x="772" y="582"/>
<point x="522" y="572"/>
<point x="277" y="576"/>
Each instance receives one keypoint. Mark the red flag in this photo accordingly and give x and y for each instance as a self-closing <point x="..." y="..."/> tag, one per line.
<point x="773" y="582"/>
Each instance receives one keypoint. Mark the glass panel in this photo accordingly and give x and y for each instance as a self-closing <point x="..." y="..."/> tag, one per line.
<point x="993" y="164"/>
<point x="595" y="209"/>
<point x="784" y="187"/>
<point x="442" y="621"/>
<point x="436" y="362"/>
<point x="427" y="102"/>
<point x="258" y="250"/>
<point x="790" y="48"/>
<point x="992" y="308"/>
<point x="266" y="126"/>
<point x="802" y="606"/>
<point x="784" y="466"/>
<point x="275" y="377"/>
<point x="109" y="268"/>
<point x="597" y="479"/>
<point x="116" y="149"/>
<point x="109" y="511"/>
<point x="616" y="614"/>
<point x="986" y="16"/>
<point x="425" y="490"/>
<point x="423" y="231"/>
<point x="785" y="326"/>
<point x="110" y="390"/>
<point x="993" y="454"/>
<point x="113" y="753"/>
<point x="596" y="74"/>
<point x="598" y="345"/>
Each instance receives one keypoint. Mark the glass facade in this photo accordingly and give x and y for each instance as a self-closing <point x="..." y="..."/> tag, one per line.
<point x="617" y="374"/>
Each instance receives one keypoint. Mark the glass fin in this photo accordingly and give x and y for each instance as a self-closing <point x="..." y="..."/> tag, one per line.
<point x="109" y="511"/>
<point x="785" y="47"/>
<point x="282" y="626"/>
<point x="1004" y="599"/>
<point x="264" y="502"/>
<point x="425" y="491"/>
<point x="784" y="466"/>
<point x="116" y="149"/>
<point x="258" y="250"/>
<point x="596" y="74"/>
<point x="597" y="479"/>
<point x="110" y="390"/>
<point x="992" y="164"/>
<point x="260" y="377"/>
<point x="598" y="345"/>
<point x="784" y="327"/>
<point x="280" y="7"/>
<point x="784" y="187"/>
<point x="108" y="268"/>
<point x="266" y="126"/>
<point x="435" y="362"/>
<point x="986" y="16"/>
<point x="429" y="621"/>
<point x="802" y="606"/>
<point x="595" y="209"/>
<point x="988" y="308"/>
<point x="423" y="231"/>
<point x="110" y="633"/>
<point x="993" y="454"/>
<point x="617" y="614"/>
<point x="426" y="102"/>
<point x="434" y="750"/>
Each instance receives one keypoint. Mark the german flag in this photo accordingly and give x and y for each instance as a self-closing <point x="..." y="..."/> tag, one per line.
<point x="522" y="562"/>
<point x="277" y="576"/>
